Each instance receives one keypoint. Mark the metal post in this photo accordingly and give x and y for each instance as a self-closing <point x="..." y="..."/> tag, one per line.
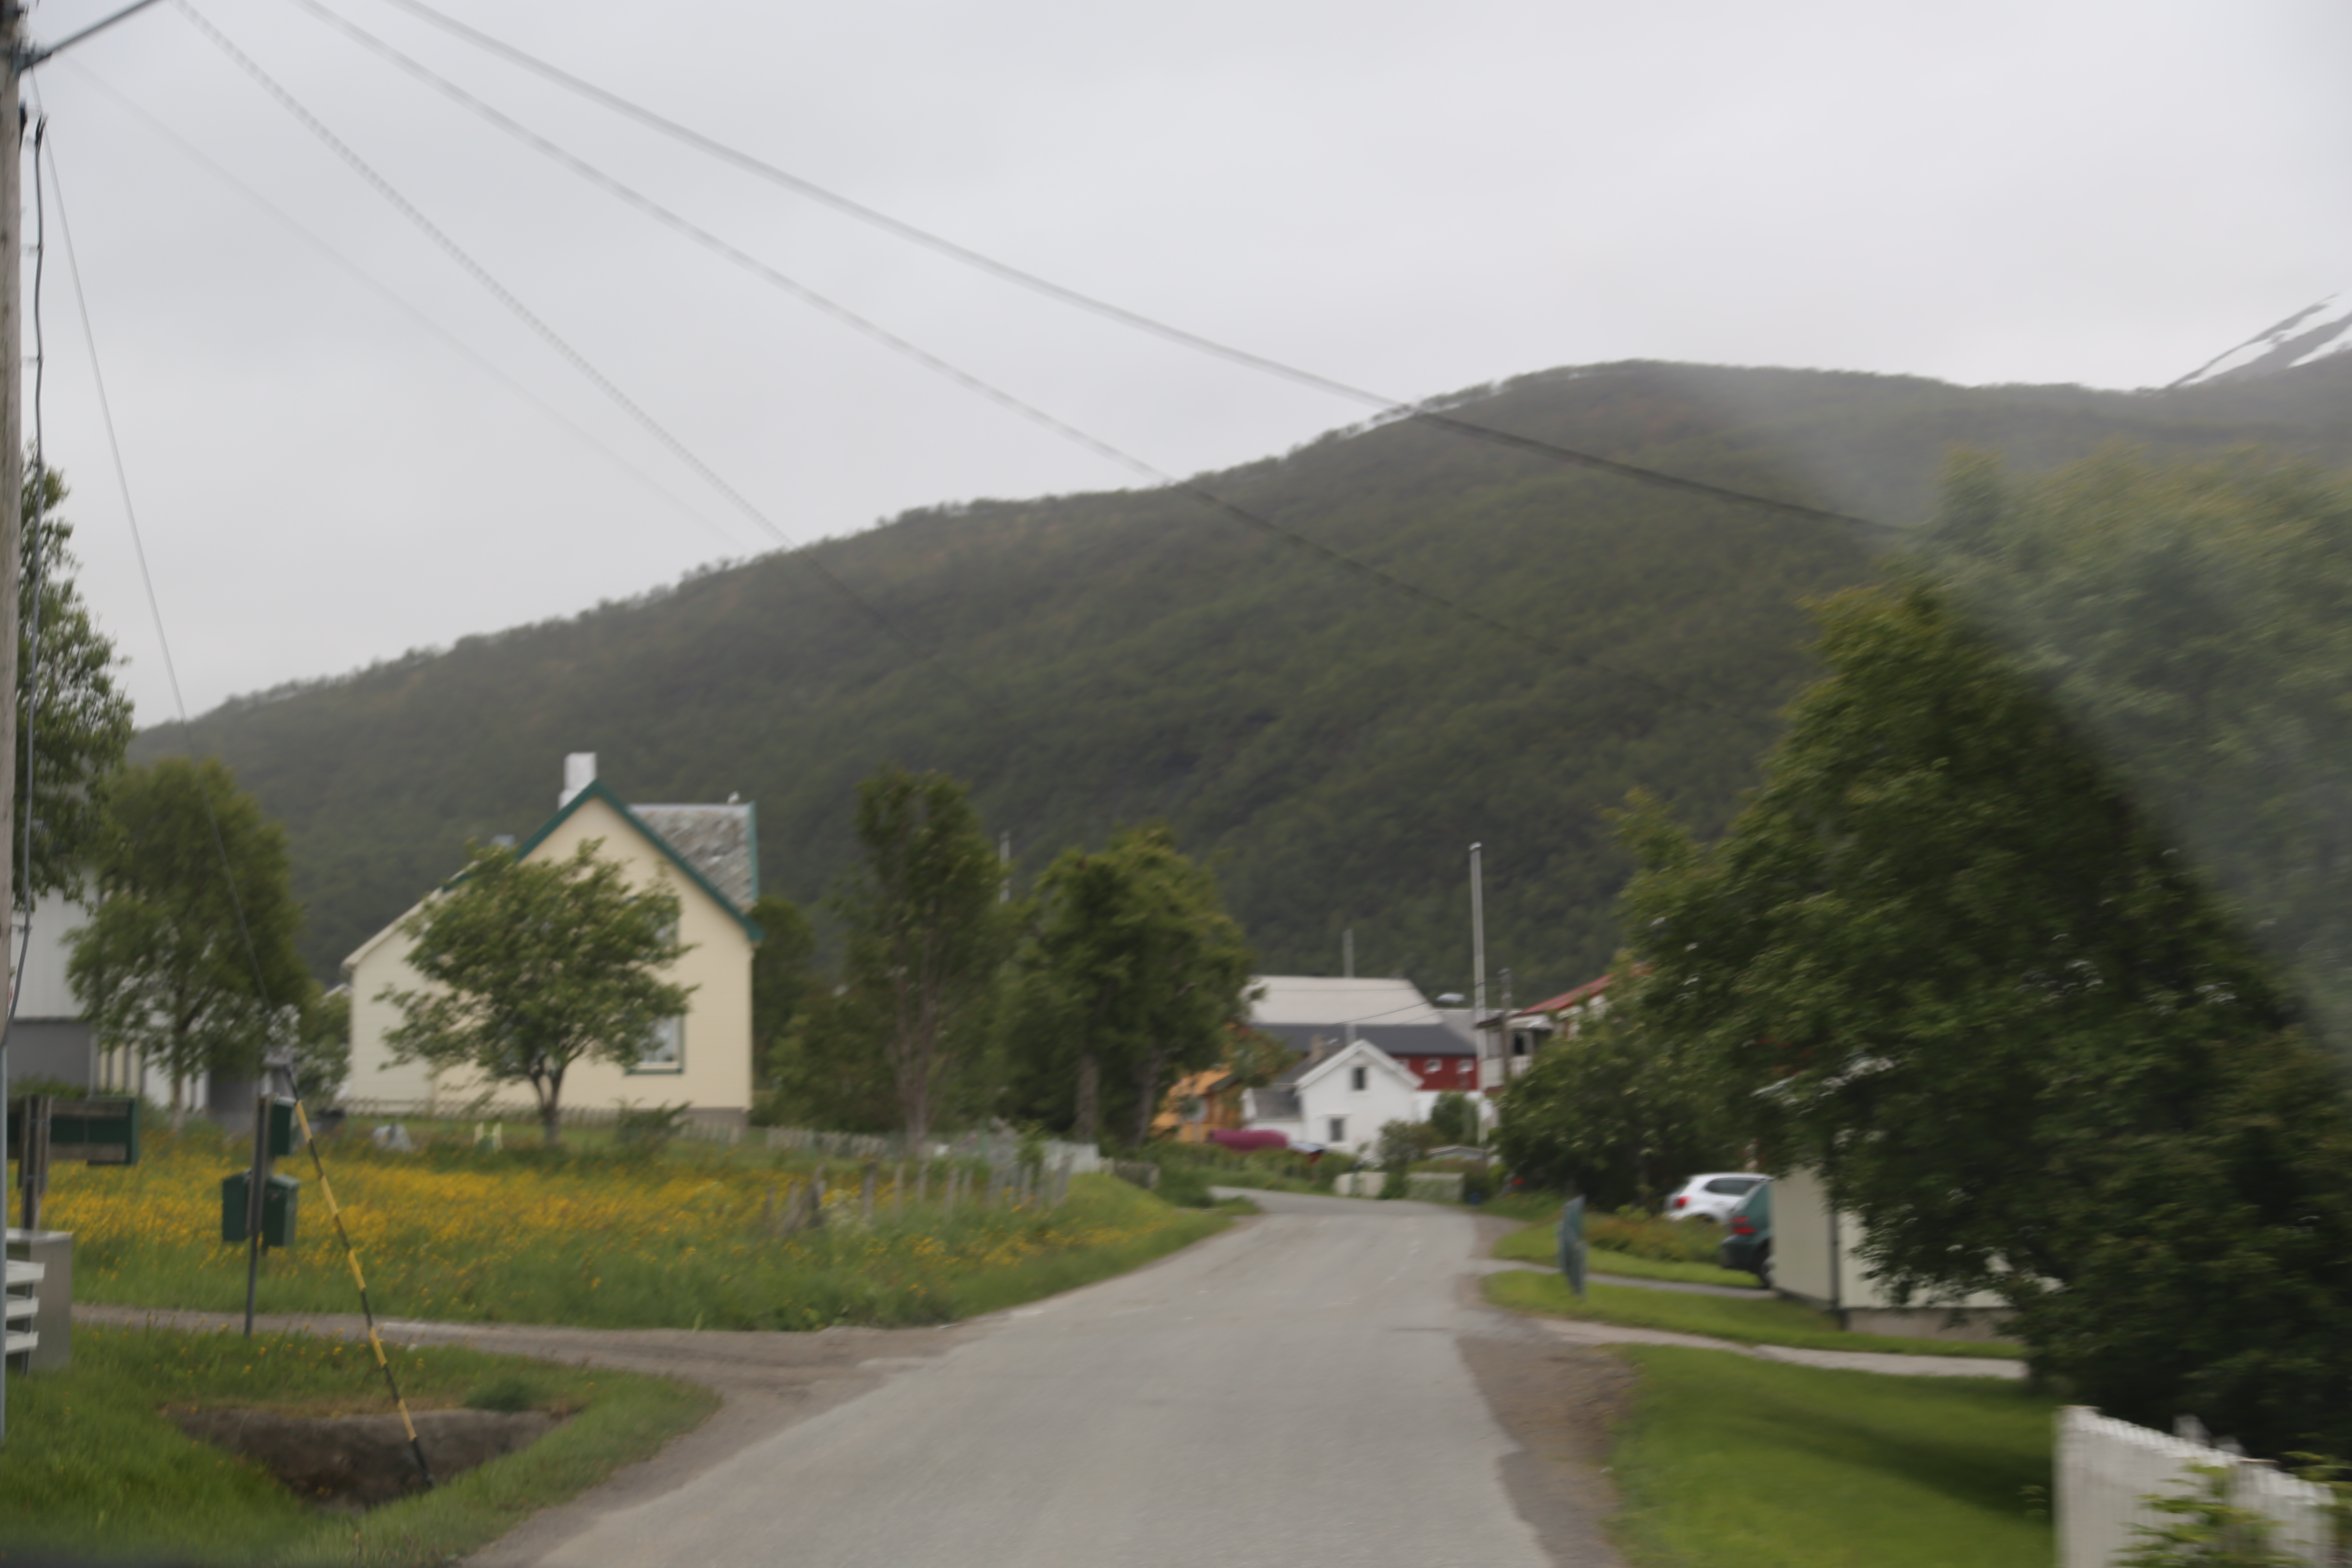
<point x="1478" y="952"/>
<point x="257" y="1184"/>
<point x="1348" y="967"/>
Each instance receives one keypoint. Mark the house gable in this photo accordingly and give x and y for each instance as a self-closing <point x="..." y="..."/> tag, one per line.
<point x="597" y="790"/>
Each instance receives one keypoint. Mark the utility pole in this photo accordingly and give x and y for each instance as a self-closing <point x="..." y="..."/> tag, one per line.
<point x="11" y="525"/>
<point x="1348" y="968"/>
<point x="1478" y="953"/>
<point x="17" y="56"/>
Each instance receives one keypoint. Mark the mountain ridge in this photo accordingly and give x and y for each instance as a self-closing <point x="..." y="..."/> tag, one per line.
<point x="1333" y="743"/>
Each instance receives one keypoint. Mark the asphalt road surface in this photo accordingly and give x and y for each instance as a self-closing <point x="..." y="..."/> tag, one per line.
<point x="1296" y="1390"/>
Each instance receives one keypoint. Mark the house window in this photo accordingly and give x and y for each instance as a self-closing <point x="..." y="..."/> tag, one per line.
<point x="1518" y="1043"/>
<point x="1358" y="1077"/>
<point x="1339" y="1129"/>
<point x="665" y="1048"/>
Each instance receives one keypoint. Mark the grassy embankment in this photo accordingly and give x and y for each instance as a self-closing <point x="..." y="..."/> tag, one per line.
<point x="1726" y="1462"/>
<point x="607" y="1239"/>
<point x="94" y="1465"/>
<point x="1538" y="1244"/>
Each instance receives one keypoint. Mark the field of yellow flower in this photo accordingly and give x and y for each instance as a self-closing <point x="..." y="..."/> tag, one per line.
<point x="596" y="1238"/>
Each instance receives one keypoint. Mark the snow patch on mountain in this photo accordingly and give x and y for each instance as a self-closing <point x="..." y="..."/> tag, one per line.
<point x="2311" y="335"/>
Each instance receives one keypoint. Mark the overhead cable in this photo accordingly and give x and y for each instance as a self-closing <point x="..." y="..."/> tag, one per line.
<point x="736" y="256"/>
<point x="1396" y="409"/>
<point x="579" y="362"/>
<point x="204" y="161"/>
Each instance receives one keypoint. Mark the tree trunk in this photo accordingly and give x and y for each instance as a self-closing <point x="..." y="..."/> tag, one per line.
<point x="551" y="1107"/>
<point x="1146" y="1092"/>
<point x="1086" y="1127"/>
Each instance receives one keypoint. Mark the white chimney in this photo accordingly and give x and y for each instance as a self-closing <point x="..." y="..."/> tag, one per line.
<point x="579" y="772"/>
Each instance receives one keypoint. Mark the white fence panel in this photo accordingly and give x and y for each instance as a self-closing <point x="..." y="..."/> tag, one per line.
<point x="2106" y="1468"/>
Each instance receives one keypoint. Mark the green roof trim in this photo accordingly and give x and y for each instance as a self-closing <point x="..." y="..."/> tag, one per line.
<point x="597" y="790"/>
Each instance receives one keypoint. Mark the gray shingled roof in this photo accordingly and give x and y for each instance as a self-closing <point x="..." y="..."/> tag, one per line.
<point x="720" y="841"/>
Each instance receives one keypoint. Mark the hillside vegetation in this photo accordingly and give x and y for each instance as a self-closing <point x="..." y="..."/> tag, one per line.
<point x="1334" y="745"/>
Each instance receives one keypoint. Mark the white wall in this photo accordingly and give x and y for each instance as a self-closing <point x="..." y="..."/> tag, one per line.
<point x="1329" y="1091"/>
<point x="2107" y="1468"/>
<point x="1816" y="1256"/>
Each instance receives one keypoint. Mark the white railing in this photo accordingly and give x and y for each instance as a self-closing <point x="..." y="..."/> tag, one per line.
<point x="2108" y="1468"/>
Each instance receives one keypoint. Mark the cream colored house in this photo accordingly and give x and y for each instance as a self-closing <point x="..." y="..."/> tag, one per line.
<point x="708" y="856"/>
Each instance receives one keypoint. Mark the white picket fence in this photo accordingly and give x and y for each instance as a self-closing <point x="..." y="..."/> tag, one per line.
<point x="2107" y="1470"/>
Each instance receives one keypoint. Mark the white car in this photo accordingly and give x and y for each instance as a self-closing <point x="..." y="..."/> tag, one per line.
<point x="1712" y="1196"/>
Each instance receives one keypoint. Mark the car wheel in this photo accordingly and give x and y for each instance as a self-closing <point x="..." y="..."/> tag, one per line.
<point x="1764" y="1267"/>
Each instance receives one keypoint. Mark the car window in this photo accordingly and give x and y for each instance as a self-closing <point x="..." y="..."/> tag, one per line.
<point x="1733" y="1183"/>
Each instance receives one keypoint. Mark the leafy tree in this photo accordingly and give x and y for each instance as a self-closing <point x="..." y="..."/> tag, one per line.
<point x="189" y="959"/>
<point x="2190" y="620"/>
<point x="784" y="981"/>
<point x="323" y="1046"/>
<point x="1962" y="971"/>
<point x="532" y="965"/>
<point x="1455" y="1119"/>
<point x="1617" y="1109"/>
<point x="926" y="933"/>
<point x="81" y="725"/>
<point x="1133" y="975"/>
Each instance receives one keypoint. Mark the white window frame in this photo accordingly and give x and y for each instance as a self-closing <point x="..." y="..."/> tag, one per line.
<point x="647" y="1065"/>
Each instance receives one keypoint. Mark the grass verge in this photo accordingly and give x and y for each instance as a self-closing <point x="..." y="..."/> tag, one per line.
<point x="1538" y="1244"/>
<point x="1765" y="1321"/>
<point x="94" y="1465"/>
<point x="600" y="1239"/>
<point x="1728" y="1462"/>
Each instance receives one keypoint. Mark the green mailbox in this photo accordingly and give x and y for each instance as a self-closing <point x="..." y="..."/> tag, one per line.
<point x="281" y="1128"/>
<point x="278" y="1206"/>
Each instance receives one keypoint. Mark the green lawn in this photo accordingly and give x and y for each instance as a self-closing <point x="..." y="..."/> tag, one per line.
<point x="92" y="1466"/>
<point x="1728" y="1462"/>
<point x="1539" y="1244"/>
<point x="1760" y="1321"/>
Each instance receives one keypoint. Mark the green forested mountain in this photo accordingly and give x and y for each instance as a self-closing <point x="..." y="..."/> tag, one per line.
<point x="1336" y="745"/>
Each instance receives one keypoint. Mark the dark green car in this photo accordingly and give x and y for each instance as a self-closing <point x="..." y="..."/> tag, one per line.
<point x="1746" y="1244"/>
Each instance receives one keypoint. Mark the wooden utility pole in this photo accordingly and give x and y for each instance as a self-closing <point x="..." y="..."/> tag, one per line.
<point x="12" y="521"/>
<point x="16" y="55"/>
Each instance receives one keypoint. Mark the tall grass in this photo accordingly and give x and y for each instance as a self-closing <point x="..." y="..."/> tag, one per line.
<point x="601" y="1238"/>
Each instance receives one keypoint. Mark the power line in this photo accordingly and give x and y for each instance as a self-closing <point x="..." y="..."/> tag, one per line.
<point x="736" y="256"/>
<point x="513" y="303"/>
<point x="1022" y="278"/>
<point x="204" y="161"/>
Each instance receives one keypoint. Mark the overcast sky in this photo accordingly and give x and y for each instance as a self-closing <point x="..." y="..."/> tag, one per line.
<point x="1415" y="198"/>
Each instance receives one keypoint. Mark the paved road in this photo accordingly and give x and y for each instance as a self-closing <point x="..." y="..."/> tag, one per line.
<point x="1291" y="1391"/>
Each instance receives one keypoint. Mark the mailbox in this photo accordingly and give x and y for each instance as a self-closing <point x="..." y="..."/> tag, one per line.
<point x="278" y="1206"/>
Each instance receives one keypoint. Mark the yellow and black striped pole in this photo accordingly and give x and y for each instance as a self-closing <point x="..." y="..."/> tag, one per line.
<point x="352" y="1256"/>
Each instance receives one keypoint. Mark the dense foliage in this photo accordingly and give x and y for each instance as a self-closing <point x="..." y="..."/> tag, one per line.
<point x="189" y="959"/>
<point x="529" y="966"/>
<point x="1955" y="964"/>
<point x="1131" y="973"/>
<point x="927" y="931"/>
<point x="79" y="727"/>
<point x="2192" y="621"/>
<point x="1617" y="1109"/>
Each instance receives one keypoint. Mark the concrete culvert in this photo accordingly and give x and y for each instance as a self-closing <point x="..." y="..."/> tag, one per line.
<point x="357" y="1462"/>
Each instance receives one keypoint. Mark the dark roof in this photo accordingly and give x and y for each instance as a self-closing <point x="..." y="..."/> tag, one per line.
<point x="596" y="789"/>
<point x="1397" y="1039"/>
<point x="722" y="841"/>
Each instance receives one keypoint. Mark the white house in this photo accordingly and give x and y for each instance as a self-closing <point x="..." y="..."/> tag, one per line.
<point x="1339" y="1095"/>
<point x="1312" y="1013"/>
<point x="708" y="856"/>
